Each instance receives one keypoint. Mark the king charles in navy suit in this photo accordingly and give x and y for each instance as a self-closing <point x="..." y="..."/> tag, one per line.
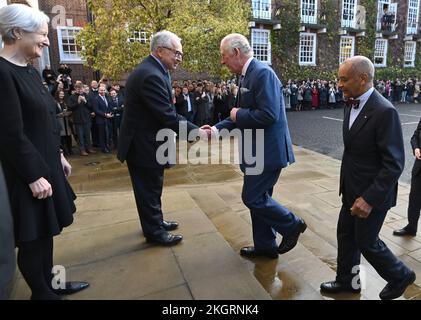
<point x="372" y="163"/>
<point x="260" y="106"/>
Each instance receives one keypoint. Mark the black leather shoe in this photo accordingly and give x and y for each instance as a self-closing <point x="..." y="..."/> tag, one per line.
<point x="251" y="252"/>
<point x="393" y="291"/>
<point x="165" y="239"/>
<point x="404" y="232"/>
<point x="290" y="241"/>
<point x="169" y="225"/>
<point x="337" y="287"/>
<point x="72" y="287"/>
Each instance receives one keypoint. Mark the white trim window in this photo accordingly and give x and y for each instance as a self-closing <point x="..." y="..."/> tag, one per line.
<point x="70" y="51"/>
<point x="409" y="55"/>
<point x="349" y="11"/>
<point x="309" y="11"/>
<point x="138" y="36"/>
<point x="346" y="48"/>
<point x="307" y="51"/>
<point x="261" y="9"/>
<point x="413" y="14"/>
<point x="260" y="42"/>
<point x="380" y="53"/>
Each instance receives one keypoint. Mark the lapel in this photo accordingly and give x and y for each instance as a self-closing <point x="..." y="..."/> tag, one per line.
<point x="362" y="118"/>
<point x="244" y="83"/>
<point x="165" y="75"/>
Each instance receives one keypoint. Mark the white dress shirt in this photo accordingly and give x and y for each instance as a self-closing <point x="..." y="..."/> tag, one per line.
<point x="355" y="112"/>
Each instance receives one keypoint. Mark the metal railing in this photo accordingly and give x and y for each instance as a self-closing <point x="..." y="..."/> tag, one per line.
<point x="311" y="16"/>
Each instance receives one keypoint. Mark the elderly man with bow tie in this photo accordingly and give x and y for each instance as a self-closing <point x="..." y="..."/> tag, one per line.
<point x="372" y="163"/>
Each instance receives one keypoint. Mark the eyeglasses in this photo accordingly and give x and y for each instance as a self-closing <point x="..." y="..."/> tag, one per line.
<point x="176" y="52"/>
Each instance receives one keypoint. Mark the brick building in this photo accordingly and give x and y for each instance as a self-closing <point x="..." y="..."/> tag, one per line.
<point x="325" y="37"/>
<point x="67" y="18"/>
<point x="323" y="45"/>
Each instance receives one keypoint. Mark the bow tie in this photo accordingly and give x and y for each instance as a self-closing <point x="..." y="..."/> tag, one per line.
<point x="353" y="103"/>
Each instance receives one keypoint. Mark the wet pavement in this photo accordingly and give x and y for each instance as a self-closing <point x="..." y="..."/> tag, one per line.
<point x="105" y="245"/>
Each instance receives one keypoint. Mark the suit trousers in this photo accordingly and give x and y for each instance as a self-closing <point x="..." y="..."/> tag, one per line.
<point x="267" y="215"/>
<point x="147" y="187"/>
<point x="414" y="202"/>
<point x="358" y="236"/>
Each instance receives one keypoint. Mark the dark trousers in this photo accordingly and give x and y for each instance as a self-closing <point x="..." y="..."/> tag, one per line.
<point x="267" y="215"/>
<point x="83" y="133"/>
<point x="147" y="187"/>
<point x="103" y="136"/>
<point x="414" y="202"/>
<point x="358" y="236"/>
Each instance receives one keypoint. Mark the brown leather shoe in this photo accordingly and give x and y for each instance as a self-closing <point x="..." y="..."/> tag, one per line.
<point x="91" y="151"/>
<point x="83" y="153"/>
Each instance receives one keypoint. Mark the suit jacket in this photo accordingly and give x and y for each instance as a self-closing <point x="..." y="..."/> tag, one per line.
<point x="262" y="107"/>
<point x="182" y="105"/>
<point x="148" y="108"/>
<point x="100" y="109"/>
<point x="416" y="143"/>
<point x="81" y="112"/>
<point x="374" y="155"/>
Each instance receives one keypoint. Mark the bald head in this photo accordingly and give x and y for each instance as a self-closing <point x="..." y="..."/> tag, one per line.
<point x="356" y="76"/>
<point x="361" y="65"/>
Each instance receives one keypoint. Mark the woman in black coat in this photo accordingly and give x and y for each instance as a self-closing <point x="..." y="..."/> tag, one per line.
<point x="41" y="199"/>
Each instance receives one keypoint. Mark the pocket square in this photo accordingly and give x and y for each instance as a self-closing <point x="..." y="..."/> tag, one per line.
<point x="244" y="90"/>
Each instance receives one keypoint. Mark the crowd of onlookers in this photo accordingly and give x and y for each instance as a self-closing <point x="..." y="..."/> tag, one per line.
<point x="321" y="94"/>
<point x="91" y="114"/>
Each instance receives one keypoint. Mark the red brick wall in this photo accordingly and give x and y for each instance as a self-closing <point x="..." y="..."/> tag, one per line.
<point x="77" y="11"/>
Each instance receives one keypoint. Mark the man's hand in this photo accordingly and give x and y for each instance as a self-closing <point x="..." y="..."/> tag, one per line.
<point x="67" y="168"/>
<point x="208" y="129"/>
<point x="41" y="189"/>
<point x="417" y="153"/>
<point x="204" y="134"/>
<point x="233" y="114"/>
<point x="361" y="208"/>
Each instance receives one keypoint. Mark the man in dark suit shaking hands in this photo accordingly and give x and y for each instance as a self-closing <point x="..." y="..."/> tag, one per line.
<point x="260" y="106"/>
<point x="372" y="163"/>
<point x="148" y="109"/>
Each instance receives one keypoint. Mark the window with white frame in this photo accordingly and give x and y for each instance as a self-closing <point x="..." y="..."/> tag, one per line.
<point x="413" y="13"/>
<point x="349" y="10"/>
<point x="260" y="41"/>
<point x="409" y="55"/>
<point x="261" y="9"/>
<point x="307" y="51"/>
<point x="380" y="53"/>
<point x="346" y="48"/>
<point x="138" y="36"/>
<point x="69" y="50"/>
<point x="309" y="11"/>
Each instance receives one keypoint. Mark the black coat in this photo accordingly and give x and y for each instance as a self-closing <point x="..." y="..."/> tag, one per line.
<point x="374" y="155"/>
<point x="7" y="252"/>
<point x="29" y="150"/>
<point x="148" y="108"/>
<point x="416" y="143"/>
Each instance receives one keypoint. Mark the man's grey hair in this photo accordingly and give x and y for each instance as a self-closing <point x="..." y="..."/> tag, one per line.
<point x="163" y="38"/>
<point x="361" y="65"/>
<point x="20" y="16"/>
<point x="237" y="41"/>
